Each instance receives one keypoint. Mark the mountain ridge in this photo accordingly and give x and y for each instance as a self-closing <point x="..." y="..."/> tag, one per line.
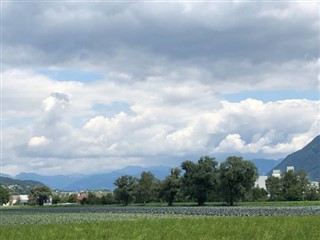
<point x="307" y="158"/>
<point x="76" y="182"/>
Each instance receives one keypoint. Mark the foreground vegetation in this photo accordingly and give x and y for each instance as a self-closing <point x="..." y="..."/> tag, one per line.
<point x="48" y="215"/>
<point x="140" y="227"/>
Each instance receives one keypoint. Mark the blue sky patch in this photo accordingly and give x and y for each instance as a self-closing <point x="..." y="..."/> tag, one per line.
<point x="272" y="95"/>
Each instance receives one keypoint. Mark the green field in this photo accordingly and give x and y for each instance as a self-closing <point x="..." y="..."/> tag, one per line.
<point x="115" y="222"/>
<point x="303" y="227"/>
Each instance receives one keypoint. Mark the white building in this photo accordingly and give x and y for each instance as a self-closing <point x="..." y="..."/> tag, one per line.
<point x="276" y="173"/>
<point x="261" y="182"/>
<point x="290" y="168"/>
<point x="18" y="199"/>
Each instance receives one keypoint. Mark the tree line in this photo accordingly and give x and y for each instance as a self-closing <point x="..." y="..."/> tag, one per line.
<point x="203" y="181"/>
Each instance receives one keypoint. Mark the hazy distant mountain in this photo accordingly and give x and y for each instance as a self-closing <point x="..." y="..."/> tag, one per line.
<point x="5" y="175"/>
<point x="308" y="158"/>
<point x="92" y="181"/>
<point x="19" y="186"/>
<point x="265" y="165"/>
<point x="54" y="182"/>
<point x="95" y="181"/>
<point x="105" y="181"/>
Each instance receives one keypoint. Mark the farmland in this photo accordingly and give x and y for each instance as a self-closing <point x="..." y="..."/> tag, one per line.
<point x="161" y="223"/>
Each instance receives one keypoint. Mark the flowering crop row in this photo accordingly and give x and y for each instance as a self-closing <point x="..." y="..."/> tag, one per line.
<point x="88" y="214"/>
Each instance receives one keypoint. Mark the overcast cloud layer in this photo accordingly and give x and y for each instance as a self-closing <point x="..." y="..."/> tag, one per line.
<point x="92" y="87"/>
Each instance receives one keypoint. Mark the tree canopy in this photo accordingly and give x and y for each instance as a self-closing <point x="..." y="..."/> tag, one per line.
<point x="237" y="176"/>
<point x="199" y="179"/>
<point x="39" y="195"/>
<point x="4" y="195"/>
<point x="125" y="187"/>
<point x="170" y="186"/>
<point x="146" y="189"/>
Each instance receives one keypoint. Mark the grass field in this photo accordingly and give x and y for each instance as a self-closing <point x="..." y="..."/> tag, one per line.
<point x="302" y="227"/>
<point x="154" y="222"/>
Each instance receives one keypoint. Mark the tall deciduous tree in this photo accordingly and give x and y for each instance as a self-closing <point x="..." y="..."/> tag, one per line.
<point x="4" y="195"/>
<point x="39" y="195"/>
<point x="146" y="188"/>
<point x="199" y="179"/>
<point x="170" y="186"/>
<point x="294" y="185"/>
<point x="274" y="187"/>
<point x="237" y="177"/>
<point x="125" y="187"/>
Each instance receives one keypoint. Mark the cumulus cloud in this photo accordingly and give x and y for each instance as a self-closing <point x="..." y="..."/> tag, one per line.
<point x="163" y="120"/>
<point x="249" y="126"/>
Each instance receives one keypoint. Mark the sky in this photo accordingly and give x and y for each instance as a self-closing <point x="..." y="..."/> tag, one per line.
<point x="90" y="87"/>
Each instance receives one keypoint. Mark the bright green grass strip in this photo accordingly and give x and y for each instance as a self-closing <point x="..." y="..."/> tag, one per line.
<point x="300" y="228"/>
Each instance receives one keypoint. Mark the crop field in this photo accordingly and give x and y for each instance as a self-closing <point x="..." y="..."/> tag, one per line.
<point x="161" y="223"/>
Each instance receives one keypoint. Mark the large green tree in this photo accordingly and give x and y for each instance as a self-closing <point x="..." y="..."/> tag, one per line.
<point x="125" y="187"/>
<point x="294" y="185"/>
<point x="146" y="189"/>
<point x="39" y="195"/>
<point x="170" y="186"/>
<point x="274" y="187"/>
<point x="237" y="177"/>
<point x="199" y="179"/>
<point x="4" y="195"/>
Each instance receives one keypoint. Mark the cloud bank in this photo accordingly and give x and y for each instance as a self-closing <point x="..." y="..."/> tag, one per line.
<point x="98" y="86"/>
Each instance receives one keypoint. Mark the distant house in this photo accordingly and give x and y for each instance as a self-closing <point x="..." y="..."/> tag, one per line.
<point x="81" y="196"/>
<point x="276" y="173"/>
<point x="19" y="199"/>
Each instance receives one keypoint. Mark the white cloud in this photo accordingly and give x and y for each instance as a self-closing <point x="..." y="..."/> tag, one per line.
<point x="163" y="120"/>
<point x="232" y="143"/>
<point x="38" y="141"/>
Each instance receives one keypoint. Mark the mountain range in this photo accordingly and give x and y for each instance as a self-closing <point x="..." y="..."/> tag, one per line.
<point x="308" y="159"/>
<point x="76" y="182"/>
